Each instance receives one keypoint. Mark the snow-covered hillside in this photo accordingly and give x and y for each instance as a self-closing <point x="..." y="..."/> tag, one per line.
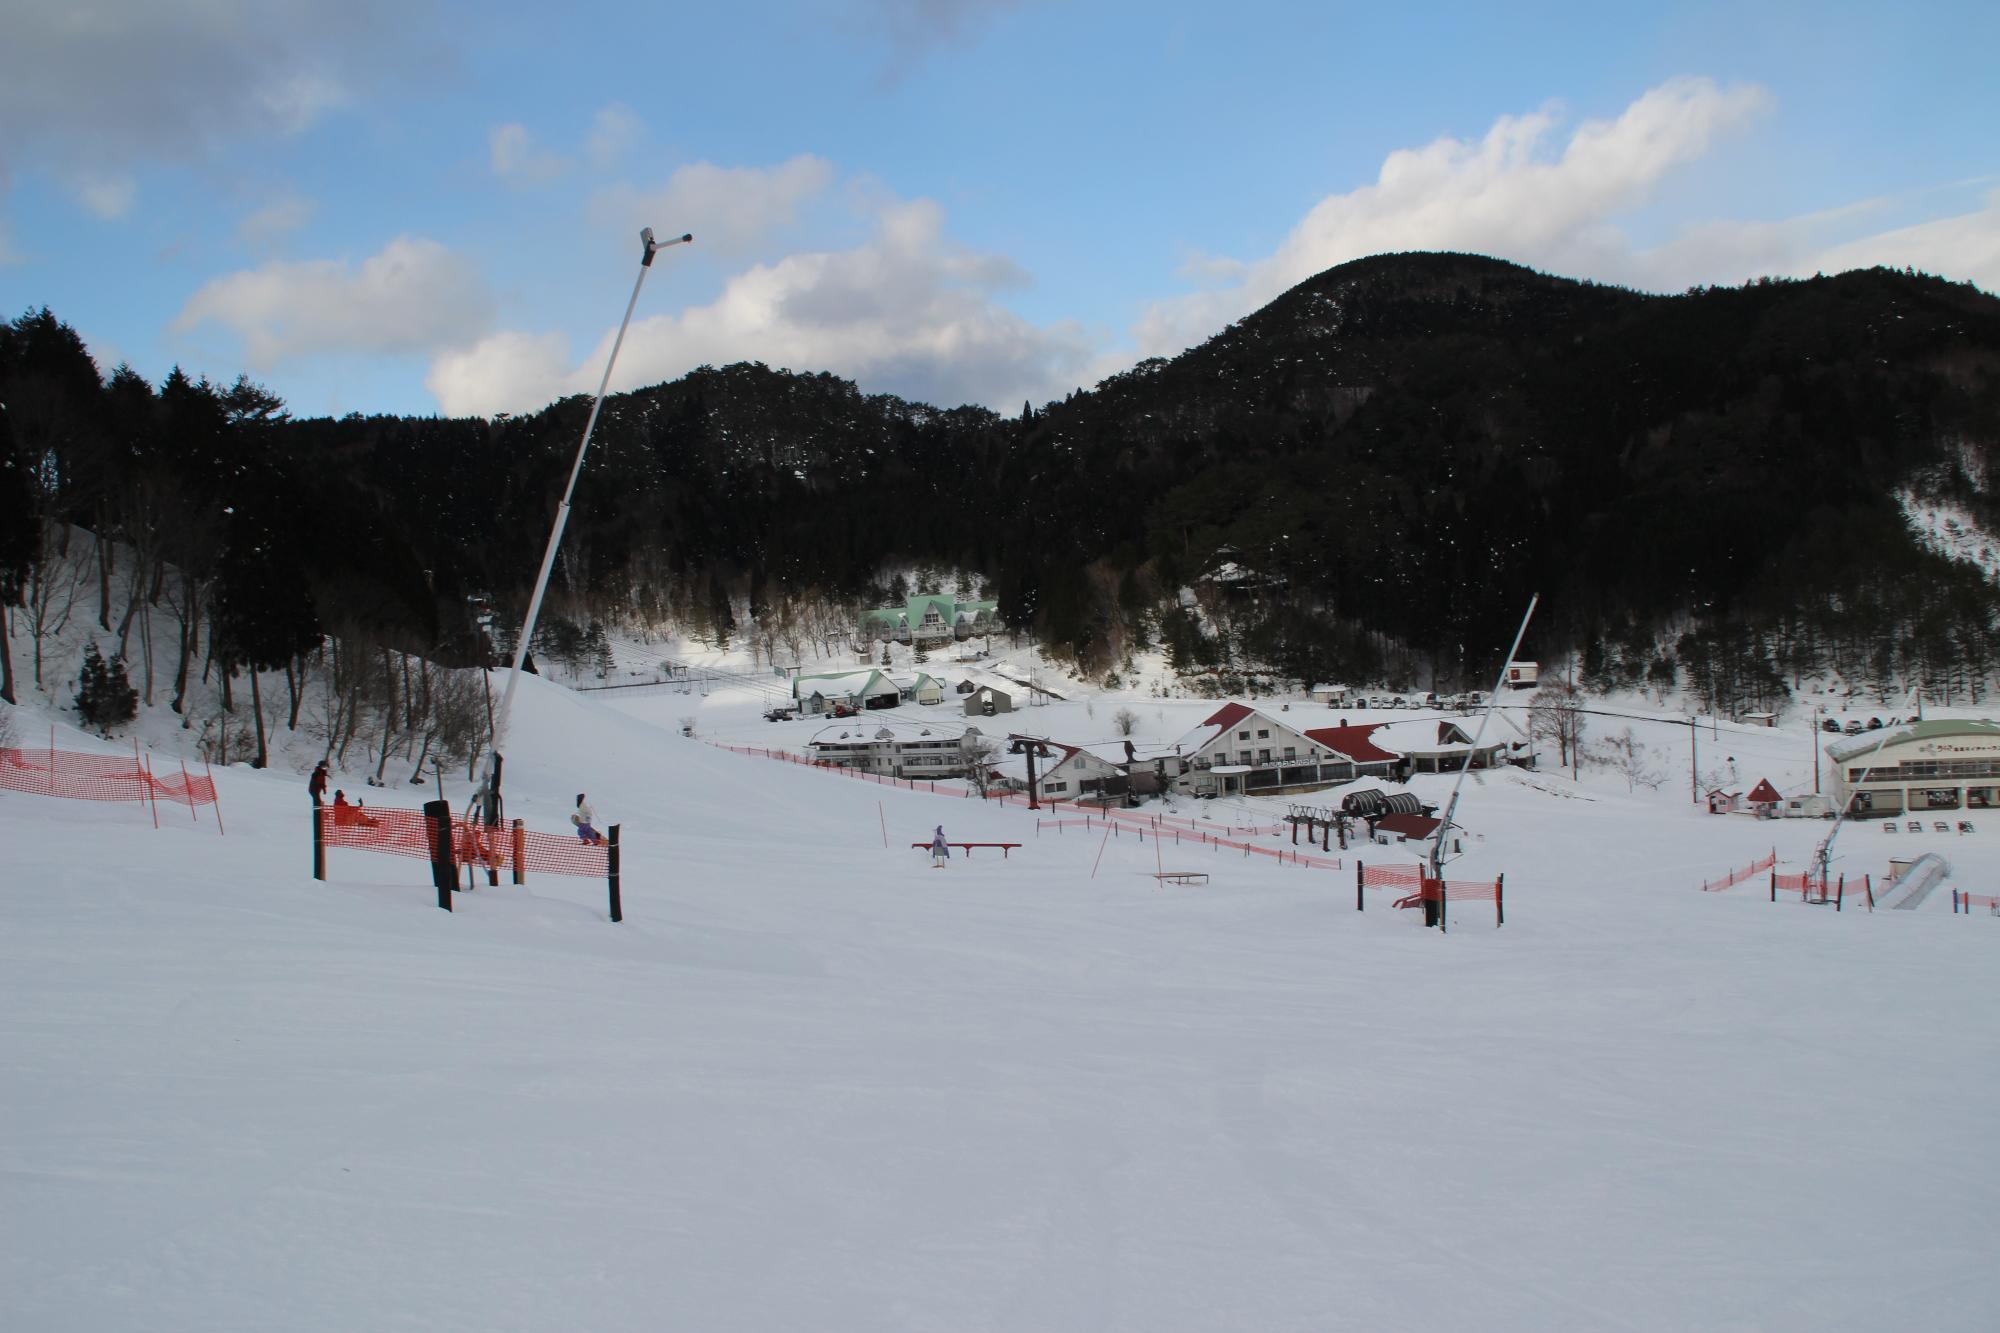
<point x="813" y="1083"/>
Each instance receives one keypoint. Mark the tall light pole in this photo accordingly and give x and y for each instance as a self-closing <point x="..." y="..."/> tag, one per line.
<point x="490" y="796"/>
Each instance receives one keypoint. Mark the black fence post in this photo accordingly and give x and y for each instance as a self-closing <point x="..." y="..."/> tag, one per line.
<point x="319" y="842"/>
<point x="1839" y="892"/>
<point x="1774" y="886"/>
<point x="444" y="871"/>
<point x="1359" y="871"/>
<point x="520" y="851"/>
<point x="1499" y="901"/>
<point x="611" y="871"/>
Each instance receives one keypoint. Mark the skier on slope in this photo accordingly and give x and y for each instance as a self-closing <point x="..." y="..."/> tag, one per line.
<point x="940" y="849"/>
<point x="316" y="784"/>
<point x="585" y="822"/>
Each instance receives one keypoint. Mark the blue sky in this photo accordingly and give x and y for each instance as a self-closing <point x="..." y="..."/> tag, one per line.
<point x="432" y="207"/>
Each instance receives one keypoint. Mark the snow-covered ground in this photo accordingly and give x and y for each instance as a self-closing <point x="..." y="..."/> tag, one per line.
<point x="813" y="1083"/>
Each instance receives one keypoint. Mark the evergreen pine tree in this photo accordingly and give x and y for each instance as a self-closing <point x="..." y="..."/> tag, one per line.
<point x="104" y="697"/>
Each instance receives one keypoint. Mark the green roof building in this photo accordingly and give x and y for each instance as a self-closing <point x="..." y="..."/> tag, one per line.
<point x="930" y="618"/>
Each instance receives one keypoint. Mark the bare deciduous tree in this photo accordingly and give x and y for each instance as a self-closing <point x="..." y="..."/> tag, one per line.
<point x="1555" y="713"/>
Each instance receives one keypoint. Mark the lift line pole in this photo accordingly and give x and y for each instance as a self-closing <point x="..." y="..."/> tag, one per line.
<point x="1492" y="702"/>
<point x="491" y="789"/>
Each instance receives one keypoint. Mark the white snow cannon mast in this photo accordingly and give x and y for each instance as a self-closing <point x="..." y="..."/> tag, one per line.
<point x="1438" y="854"/>
<point x="489" y="795"/>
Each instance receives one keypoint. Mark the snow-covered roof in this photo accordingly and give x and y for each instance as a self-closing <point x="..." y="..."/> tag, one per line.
<point x="869" y="730"/>
<point x="842" y="684"/>
<point x="1937" y="730"/>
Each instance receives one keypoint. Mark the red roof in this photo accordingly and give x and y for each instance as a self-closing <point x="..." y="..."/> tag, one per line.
<point x="1410" y="826"/>
<point x="1764" y="793"/>
<point x="1229" y="715"/>
<point x="1353" y="742"/>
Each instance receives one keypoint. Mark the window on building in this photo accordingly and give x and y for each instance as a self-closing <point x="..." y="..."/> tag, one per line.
<point x="1243" y="756"/>
<point x="1291" y="753"/>
<point x="1263" y="756"/>
<point x="1263" y="734"/>
<point x="1242" y="735"/>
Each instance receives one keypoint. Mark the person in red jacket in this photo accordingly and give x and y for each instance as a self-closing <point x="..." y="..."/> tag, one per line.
<point x="316" y="784"/>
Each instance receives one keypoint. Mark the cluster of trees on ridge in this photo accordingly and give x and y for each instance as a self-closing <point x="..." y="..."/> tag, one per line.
<point x="1361" y="481"/>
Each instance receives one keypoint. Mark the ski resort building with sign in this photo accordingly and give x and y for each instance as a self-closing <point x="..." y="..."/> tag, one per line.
<point x="1945" y="764"/>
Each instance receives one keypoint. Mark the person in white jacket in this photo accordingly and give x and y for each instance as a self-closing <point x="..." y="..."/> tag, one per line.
<point x="585" y="821"/>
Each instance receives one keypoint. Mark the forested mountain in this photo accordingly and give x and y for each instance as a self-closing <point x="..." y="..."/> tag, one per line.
<point x="1363" y="480"/>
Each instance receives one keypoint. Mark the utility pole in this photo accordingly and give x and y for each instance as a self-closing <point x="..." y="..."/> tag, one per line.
<point x="1694" y="763"/>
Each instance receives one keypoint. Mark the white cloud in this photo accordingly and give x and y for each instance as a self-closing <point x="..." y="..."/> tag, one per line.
<point x="106" y="195"/>
<point x="415" y="296"/>
<point x="732" y="210"/>
<point x="909" y="311"/>
<point x="504" y="372"/>
<point x="1965" y="247"/>
<point x="613" y="132"/>
<point x="275" y="220"/>
<point x="1506" y="194"/>
<point x="518" y="160"/>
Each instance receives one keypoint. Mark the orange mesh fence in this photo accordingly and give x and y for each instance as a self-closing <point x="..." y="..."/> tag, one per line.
<point x="399" y="832"/>
<point x="1405" y="877"/>
<point x="1418" y="888"/>
<point x="1735" y="877"/>
<point x="1963" y="902"/>
<point x="72" y="776"/>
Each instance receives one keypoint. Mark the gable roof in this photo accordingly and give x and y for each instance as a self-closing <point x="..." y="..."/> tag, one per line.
<point x="1764" y="793"/>
<point x="1355" y="741"/>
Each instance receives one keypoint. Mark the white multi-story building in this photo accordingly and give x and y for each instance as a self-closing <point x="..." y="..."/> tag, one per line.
<point x="1943" y="764"/>
<point x="896" y="749"/>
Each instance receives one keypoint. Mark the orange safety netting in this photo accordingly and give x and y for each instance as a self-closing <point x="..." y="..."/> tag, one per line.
<point x="1735" y="877"/>
<point x="72" y="776"/>
<point x="409" y="833"/>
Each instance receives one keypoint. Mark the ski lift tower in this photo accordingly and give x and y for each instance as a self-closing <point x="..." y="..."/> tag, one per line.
<point x="488" y="797"/>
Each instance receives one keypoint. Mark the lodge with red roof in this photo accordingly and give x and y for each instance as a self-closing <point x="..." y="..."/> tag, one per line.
<point x="1239" y="750"/>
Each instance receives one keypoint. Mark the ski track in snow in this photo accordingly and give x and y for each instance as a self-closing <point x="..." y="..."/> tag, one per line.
<point x="811" y="1083"/>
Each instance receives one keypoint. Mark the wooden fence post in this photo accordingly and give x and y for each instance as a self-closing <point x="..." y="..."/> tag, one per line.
<point x="520" y="853"/>
<point x="611" y="869"/>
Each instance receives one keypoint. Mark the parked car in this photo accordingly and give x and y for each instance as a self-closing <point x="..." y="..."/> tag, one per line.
<point x="779" y="714"/>
<point x="1832" y="724"/>
<point x="1854" y="727"/>
<point x="844" y="710"/>
<point x="1874" y="724"/>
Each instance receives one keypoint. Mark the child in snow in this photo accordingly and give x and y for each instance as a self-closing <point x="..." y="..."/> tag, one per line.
<point x="940" y="849"/>
<point x="584" y="821"/>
